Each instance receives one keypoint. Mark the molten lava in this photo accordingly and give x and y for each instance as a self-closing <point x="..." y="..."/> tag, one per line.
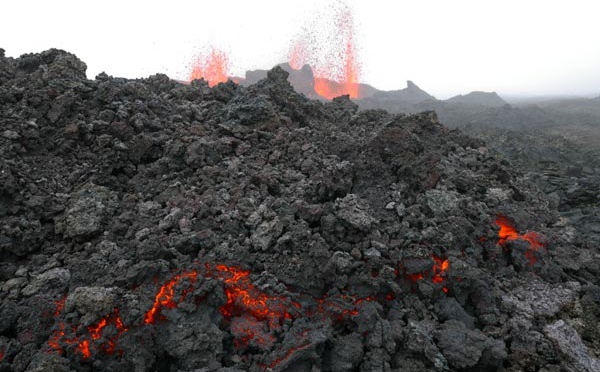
<point x="84" y="348"/>
<point x="85" y="343"/>
<point x="251" y="314"/>
<point x="213" y="67"/>
<point x="439" y="269"/>
<point x="165" y="298"/>
<point x="244" y="298"/>
<point x="59" y="337"/>
<point x="509" y="233"/>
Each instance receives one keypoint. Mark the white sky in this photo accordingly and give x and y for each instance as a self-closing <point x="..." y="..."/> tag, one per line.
<point x="447" y="47"/>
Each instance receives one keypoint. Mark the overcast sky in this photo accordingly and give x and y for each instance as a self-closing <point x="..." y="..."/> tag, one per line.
<point x="447" y="47"/>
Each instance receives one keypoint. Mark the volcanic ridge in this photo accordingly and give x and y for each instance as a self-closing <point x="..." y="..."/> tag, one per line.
<point x="149" y="225"/>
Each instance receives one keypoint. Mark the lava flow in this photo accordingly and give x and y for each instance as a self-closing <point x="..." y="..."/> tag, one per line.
<point x="213" y="68"/>
<point x="509" y="233"/>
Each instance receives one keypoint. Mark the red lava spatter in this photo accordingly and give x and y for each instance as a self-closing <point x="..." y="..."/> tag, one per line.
<point x="2" y="353"/>
<point x="212" y="67"/>
<point x="508" y="233"/>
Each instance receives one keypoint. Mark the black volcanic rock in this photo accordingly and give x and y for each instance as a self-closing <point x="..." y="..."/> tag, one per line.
<point x="400" y="100"/>
<point x="148" y="225"/>
<point x="486" y="99"/>
<point x="302" y="80"/>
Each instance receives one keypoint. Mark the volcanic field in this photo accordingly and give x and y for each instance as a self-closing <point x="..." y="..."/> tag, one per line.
<point x="148" y="225"/>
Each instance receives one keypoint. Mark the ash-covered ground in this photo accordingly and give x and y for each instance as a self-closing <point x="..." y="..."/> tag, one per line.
<point x="147" y="225"/>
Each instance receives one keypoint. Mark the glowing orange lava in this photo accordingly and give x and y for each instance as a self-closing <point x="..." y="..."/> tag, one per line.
<point x="244" y="298"/>
<point x="84" y="348"/>
<point x="84" y="343"/>
<point x="165" y="298"/>
<point x="213" y="67"/>
<point x="439" y="269"/>
<point x="58" y="337"/>
<point x="509" y="233"/>
<point x="96" y="331"/>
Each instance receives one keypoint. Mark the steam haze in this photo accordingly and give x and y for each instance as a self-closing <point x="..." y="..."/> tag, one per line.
<point x="447" y="48"/>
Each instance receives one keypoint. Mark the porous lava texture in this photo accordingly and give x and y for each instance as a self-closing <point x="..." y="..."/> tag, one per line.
<point x="147" y="225"/>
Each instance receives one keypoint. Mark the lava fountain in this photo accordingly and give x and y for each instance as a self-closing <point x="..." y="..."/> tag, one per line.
<point x="333" y="59"/>
<point x="212" y="67"/>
